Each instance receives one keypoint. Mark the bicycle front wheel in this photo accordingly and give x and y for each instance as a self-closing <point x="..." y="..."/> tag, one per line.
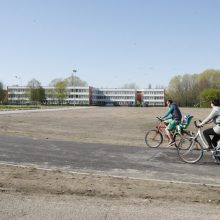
<point x="153" y="138"/>
<point x="189" y="150"/>
<point x="180" y="136"/>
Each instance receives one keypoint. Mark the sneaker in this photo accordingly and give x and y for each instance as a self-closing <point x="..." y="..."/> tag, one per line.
<point x="171" y="143"/>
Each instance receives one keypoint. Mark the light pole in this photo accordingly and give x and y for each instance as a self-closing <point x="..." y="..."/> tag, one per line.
<point x="18" y="95"/>
<point x="74" y="93"/>
<point x="19" y="78"/>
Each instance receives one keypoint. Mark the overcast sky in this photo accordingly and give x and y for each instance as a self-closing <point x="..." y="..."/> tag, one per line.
<point x="109" y="42"/>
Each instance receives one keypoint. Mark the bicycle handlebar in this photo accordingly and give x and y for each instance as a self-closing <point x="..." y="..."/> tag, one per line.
<point x="195" y="123"/>
<point x="160" y="119"/>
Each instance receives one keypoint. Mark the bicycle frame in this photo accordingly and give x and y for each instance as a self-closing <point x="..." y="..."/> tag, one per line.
<point x="197" y="146"/>
<point x="199" y="134"/>
<point x="214" y="151"/>
<point x="161" y="128"/>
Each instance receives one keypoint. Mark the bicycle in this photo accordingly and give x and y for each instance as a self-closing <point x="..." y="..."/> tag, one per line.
<point x="155" y="137"/>
<point x="195" y="150"/>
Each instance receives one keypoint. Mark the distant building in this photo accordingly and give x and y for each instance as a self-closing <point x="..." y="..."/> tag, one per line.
<point x="92" y="96"/>
<point x="113" y="96"/>
<point x="152" y="97"/>
<point x="17" y="95"/>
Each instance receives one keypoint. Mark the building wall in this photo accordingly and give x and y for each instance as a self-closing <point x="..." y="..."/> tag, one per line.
<point x="93" y="96"/>
<point x="74" y="95"/>
<point x="153" y="97"/>
<point x="113" y="96"/>
<point x="17" y="95"/>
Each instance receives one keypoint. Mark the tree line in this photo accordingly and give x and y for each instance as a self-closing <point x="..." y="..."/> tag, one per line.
<point x="3" y="94"/>
<point x="195" y="90"/>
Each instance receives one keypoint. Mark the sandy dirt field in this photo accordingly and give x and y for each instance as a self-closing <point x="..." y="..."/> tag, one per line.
<point x="118" y="126"/>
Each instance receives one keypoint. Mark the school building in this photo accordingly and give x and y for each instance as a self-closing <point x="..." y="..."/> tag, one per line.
<point x="75" y="95"/>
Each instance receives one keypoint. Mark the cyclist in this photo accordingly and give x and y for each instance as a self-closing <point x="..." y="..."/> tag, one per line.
<point x="214" y="116"/>
<point x="172" y="118"/>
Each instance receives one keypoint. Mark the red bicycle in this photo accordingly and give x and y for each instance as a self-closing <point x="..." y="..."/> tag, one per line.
<point x="155" y="137"/>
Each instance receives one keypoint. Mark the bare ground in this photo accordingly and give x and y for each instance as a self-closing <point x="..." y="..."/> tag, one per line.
<point x="119" y="126"/>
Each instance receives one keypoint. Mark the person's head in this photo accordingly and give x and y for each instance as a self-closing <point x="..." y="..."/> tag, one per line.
<point x="215" y="102"/>
<point x="169" y="101"/>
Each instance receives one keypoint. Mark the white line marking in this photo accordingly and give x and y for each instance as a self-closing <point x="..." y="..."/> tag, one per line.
<point x="41" y="110"/>
<point x="109" y="175"/>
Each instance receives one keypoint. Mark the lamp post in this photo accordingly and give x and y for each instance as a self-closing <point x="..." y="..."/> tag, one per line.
<point x="19" y="78"/>
<point x="74" y="93"/>
<point x="18" y="95"/>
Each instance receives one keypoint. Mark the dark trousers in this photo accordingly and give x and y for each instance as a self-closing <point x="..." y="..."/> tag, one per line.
<point x="210" y="141"/>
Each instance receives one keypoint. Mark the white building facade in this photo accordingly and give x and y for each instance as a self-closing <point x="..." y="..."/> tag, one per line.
<point x="91" y="96"/>
<point x="113" y="96"/>
<point x="17" y="95"/>
<point x="152" y="97"/>
<point x="73" y="95"/>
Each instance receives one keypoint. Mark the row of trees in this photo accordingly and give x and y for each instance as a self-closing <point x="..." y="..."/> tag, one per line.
<point x="2" y="93"/>
<point x="195" y="90"/>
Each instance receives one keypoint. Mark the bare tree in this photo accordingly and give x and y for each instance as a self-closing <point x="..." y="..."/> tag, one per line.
<point x="60" y="91"/>
<point x="130" y="86"/>
<point x="36" y="92"/>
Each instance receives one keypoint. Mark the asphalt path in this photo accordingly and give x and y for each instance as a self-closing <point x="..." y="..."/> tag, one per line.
<point x="126" y="161"/>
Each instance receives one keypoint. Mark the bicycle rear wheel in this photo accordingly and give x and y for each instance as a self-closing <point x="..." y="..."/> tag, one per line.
<point x="189" y="150"/>
<point x="177" y="138"/>
<point x="153" y="138"/>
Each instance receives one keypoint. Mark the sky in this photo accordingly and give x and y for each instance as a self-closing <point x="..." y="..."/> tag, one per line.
<point x="109" y="43"/>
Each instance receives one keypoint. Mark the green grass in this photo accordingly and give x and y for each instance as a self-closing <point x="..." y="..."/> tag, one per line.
<point x="18" y="107"/>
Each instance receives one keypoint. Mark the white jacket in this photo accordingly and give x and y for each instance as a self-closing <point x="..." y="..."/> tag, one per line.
<point x="215" y="117"/>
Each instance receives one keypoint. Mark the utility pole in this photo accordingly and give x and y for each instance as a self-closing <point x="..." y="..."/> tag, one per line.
<point x="74" y="90"/>
<point x="72" y="80"/>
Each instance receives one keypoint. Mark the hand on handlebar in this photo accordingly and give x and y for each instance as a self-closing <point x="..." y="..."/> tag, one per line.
<point x="198" y="124"/>
<point x="159" y="118"/>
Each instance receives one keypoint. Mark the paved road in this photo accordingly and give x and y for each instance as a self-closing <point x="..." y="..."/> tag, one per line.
<point x="136" y="162"/>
